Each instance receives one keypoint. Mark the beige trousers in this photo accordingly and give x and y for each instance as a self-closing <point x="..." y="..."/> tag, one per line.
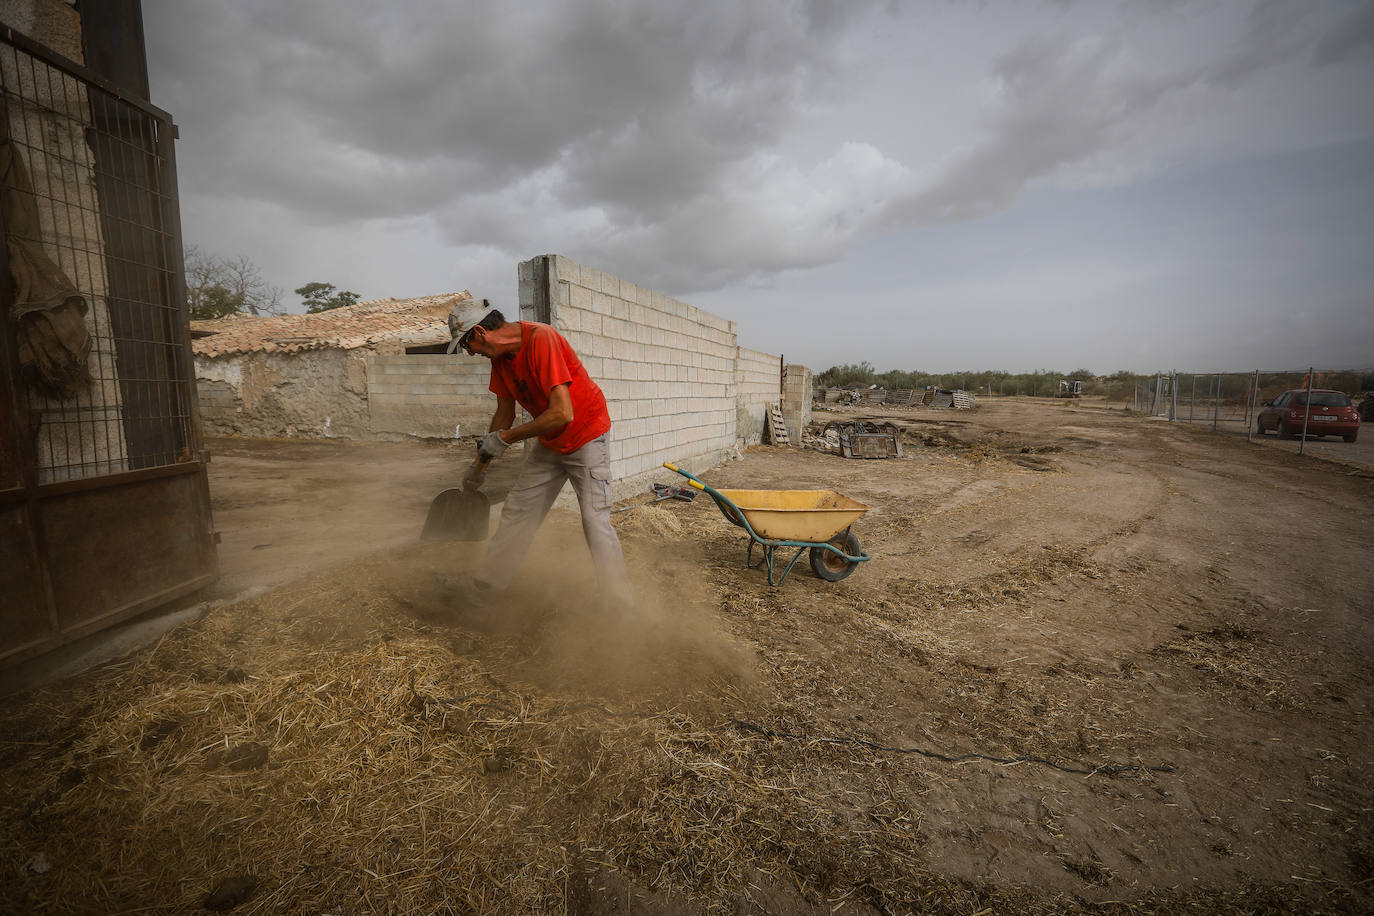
<point x="541" y="479"/>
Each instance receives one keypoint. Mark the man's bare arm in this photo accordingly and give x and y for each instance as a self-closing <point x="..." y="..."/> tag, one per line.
<point x="557" y="415"/>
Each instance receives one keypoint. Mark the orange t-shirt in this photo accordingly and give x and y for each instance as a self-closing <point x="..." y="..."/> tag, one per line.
<point x="544" y="361"/>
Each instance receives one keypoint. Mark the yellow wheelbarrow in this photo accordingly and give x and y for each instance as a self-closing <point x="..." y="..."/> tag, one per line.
<point x="815" y="520"/>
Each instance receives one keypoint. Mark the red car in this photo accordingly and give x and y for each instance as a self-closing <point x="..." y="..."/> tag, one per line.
<point x="1331" y="414"/>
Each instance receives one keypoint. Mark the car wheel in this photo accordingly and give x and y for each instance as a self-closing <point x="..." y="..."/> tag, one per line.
<point x="1350" y="437"/>
<point x="832" y="567"/>
<point x="1282" y="430"/>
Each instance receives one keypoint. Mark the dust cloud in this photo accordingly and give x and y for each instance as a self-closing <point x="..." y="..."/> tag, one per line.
<point x="563" y="637"/>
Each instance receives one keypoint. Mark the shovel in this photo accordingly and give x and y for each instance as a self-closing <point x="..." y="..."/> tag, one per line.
<point x="460" y="514"/>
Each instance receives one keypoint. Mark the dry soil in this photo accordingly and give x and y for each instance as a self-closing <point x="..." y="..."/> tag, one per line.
<point x="1097" y="663"/>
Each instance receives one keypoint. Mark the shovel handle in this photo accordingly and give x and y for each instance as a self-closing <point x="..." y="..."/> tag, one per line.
<point x="479" y="468"/>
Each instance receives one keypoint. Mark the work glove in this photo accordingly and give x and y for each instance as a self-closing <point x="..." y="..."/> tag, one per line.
<point x="492" y="445"/>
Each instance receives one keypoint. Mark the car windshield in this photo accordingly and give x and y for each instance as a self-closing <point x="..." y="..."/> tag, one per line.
<point x="1323" y="399"/>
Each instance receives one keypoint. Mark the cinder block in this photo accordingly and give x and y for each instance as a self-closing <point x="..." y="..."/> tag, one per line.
<point x="581" y="298"/>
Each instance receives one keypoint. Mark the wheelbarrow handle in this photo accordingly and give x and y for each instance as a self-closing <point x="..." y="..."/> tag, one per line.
<point x="691" y="481"/>
<point x="733" y="514"/>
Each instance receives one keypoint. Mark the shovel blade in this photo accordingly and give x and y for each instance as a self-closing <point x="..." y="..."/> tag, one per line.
<point x="457" y="515"/>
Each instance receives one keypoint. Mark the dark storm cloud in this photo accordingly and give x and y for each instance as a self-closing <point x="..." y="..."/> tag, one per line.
<point x="370" y="110"/>
<point x="1060" y="100"/>
<point x="660" y="140"/>
<point x="1349" y="37"/>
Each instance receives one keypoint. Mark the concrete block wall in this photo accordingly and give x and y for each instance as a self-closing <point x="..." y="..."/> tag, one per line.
<point x="667" y="368"/>
<point x="758" y="383"/>
<point x="429" y="395"/>
<point x="796" y="399"/>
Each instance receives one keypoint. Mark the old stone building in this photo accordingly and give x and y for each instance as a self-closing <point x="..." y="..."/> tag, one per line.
<point x="375" y="370"/>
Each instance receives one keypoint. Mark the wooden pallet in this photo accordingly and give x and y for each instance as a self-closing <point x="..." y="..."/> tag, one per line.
<point x="777" y="429"/>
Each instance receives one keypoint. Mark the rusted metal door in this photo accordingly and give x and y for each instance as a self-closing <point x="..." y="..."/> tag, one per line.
<point x="104" y="500"/>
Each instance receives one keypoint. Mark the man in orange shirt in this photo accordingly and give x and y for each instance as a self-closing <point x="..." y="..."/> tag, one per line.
<point x="534" y="366"/>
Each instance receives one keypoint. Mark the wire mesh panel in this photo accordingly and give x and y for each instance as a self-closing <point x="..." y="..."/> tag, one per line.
<point x="1221" y="401"/>
<point x="92" y="249"/>
<point x="104" y="497"/>
<point x="1269" y="406"/>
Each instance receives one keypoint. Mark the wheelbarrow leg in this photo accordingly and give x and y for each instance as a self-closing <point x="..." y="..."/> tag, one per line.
<point x="796" y="556"/>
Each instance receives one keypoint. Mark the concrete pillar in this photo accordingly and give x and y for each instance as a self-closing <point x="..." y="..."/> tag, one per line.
<point x="796" y="399"/>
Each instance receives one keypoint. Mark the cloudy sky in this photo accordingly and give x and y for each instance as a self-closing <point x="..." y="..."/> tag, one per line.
<point x="933" y="185"/>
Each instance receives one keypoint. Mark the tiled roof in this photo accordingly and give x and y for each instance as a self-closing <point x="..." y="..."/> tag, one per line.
<point x="417" y="322"/>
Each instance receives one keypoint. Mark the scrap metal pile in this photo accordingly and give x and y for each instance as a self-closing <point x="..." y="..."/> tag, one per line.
<point x="862" y="439"/>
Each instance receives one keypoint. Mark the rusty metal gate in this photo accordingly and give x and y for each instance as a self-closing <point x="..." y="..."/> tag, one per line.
<point x="104" y="501"/>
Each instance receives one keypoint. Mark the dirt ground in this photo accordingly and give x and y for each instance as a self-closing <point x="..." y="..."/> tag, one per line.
<point x="1097" y="663"/>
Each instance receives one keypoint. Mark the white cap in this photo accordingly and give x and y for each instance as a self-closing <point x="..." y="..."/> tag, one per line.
<point x="464" y="317"/>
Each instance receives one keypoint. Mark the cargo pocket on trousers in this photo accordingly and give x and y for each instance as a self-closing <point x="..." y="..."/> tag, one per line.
<point x="601" y="488"/>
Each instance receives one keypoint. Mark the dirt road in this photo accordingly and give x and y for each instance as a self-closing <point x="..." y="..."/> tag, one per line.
<point x="1098" y="663"/>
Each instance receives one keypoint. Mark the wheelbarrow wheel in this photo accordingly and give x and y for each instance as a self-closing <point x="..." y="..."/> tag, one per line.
<point x="831" y="566"/>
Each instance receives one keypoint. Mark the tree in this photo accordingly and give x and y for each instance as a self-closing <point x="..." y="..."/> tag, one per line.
<point x="216" y="302"/>
<point x="321" y="297"/>
<point x="218" y="287"/>
<point x="839" y="376"/>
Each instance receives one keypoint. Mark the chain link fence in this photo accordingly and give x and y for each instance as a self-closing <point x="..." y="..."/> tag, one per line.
<point x="1243" y="404"/>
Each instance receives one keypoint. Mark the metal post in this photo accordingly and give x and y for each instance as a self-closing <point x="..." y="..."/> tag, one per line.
<point x="1216" y="403"/>
<point x="1254" y="397"/>
<point x="1173" y="396"/>
<point x="1307" y="411"/>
